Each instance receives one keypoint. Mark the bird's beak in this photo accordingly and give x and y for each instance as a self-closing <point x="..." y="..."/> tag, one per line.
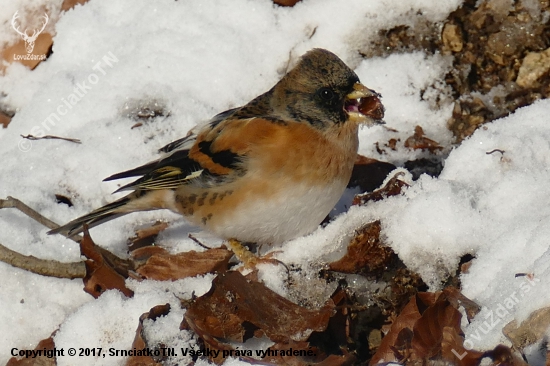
<point x="364" y="106"/>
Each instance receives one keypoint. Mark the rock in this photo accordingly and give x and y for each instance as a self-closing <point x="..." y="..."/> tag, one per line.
<point x="534" y="65"/>
<point x="452" y="37"/>
<point x="530" y="330"/>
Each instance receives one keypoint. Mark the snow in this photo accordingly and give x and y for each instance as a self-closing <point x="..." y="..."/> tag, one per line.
<point x="195" y="59"/>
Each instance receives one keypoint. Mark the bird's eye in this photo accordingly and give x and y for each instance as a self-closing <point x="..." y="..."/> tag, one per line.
<point x="326" y="94"/>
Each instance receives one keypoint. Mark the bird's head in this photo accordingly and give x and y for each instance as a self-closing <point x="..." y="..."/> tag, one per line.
<point x="322" y="90"/>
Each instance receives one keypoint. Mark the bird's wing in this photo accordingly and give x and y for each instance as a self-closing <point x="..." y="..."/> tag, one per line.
<point x="213" y="154"/>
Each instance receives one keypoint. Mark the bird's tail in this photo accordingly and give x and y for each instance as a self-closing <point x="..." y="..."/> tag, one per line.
<point x="111" y="211"/>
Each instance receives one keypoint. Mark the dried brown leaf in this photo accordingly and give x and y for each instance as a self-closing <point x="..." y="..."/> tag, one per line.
<point x="4" y="119"/>
<point x="339" y="323"/>
<point x="419" y="142"/>
<point x="144" y="253"/>
<point x="452" y="348"/>
<point x="392" y="188"/>
<point x="162" y="266"/>
<point x="391" y="348"/>
<point x="458" y="299"/>
<point x="402" y="346"/>
<point x="365" y="254"/>
<point x="428" y="330"/>
<point x="146" y="236"/>
<point x="336" y="335"/>
<point x="236" y="309"/>
<point x="100" y="276"/>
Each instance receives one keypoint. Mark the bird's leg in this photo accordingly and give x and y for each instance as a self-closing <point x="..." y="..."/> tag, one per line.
<point x="243" y="254"/>
<point x="249" y="259"/>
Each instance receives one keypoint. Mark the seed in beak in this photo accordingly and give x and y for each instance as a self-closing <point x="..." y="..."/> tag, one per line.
<point x="371" y="106"/>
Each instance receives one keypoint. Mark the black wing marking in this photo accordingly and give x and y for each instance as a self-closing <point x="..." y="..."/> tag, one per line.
<point x="224" y="158"/>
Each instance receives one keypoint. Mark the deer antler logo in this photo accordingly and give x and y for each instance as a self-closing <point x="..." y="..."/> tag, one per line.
<point x="29" y="40"/>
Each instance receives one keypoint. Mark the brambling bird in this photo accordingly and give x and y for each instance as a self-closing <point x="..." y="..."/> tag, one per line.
<point x="266" y="172"/>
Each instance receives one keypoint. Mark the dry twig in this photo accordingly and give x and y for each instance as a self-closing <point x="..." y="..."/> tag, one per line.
<point x="52" y="137"/>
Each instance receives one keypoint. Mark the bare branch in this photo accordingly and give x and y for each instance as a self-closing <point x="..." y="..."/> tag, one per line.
<point x="42" y="266"/>
<point x="12" y="202"/>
